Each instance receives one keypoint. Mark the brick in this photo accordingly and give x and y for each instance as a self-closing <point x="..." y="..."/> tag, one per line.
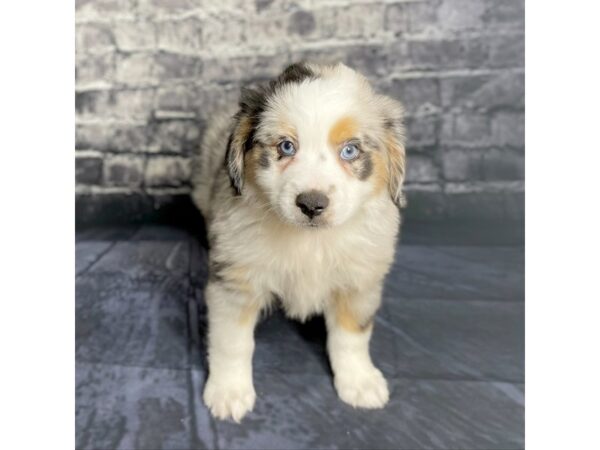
<point x="262" y="5"/>
<point x="490" y="164"/>
<point x="177" y="8"/>
<point x="244" y="69"/>
<point x="210" y="99"/>
<point x="465" y="129"/>
<point x="301" y="23"/>
<point x="133" y="104"/>
<point x="370" y="60"/>
<point x="178" y="136"/>
<point x="483" y="91"/>
<point x="95" y="68"/>
<point x="178" y="97"/>
<point x="411" y="17"/>
<point x="162" y="7"/>
<point x="102" y="8"/>
<point x="135" y="36"/>
<point x="265" y="34"/>
<point x="459" y="15"/>
<point x="507" y="51"/>
<point x="93" y="38"/>
<point x="418" y="95"/>
<point x="88" y="169"/>
<point x="421" y="169"/>
<point x="219" y="38"/>
<point x="461" y="165"/>
<point x="350" y="21"/>
<point x="112" y="137"/>
<point x="135" y="69"/>
<point x="128" y="138"/>
<point x="502" y="165"/>
<point x="508" y="128"/>
<point x="447" y="53"/>
<point x="421" y="131"/>
<point x="95" y="103"/>
<point x="505" y="13"/>
<point x="173" y="66"/>
<point x="123" y="170"/>
<point x="163" y="171"/>
<point x="471" y="127"/>
<point x="183" y="36"/>
<point x="91" y="137"/>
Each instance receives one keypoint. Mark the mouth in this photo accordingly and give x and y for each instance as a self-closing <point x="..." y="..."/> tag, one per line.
<point x="314" y="223"/>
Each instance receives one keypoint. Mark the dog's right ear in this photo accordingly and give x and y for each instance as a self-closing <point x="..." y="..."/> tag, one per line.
<point x="241" y="139"/>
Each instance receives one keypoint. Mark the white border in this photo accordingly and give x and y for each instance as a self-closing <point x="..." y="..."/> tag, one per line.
<point x="562" y="225"/>
<point x="37" y="331"/>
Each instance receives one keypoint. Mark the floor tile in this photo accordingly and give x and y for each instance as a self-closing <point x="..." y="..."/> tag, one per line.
<point x="450" y="339"/>
<point x="303" y="411"/>
<point x="152" y="232"/>
<point x="135" y="408"/>
<point x="445" y="232"/>
<point x="433" y="273"/>
<point x="104" y="233"/>
<point x="288" y="346"/>
<point x="139" y="322"/>
<point x="88" y="252"/>
<point x="145" y="258"/>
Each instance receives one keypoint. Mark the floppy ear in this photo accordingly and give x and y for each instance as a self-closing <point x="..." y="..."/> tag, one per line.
<point x="241" y="138"/>
<point x="394" y="143"/>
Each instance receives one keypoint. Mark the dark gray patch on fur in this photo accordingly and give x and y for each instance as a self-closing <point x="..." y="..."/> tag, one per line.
<point x="295" y="73"/>
<point x="215" y="271"/>
<point x="389" y="123"/>
<point x="365" y="324"/>
<point x="264" y="161"/>
<point x="366" y="167"/>
<point x="252" y="104"/>
<point x="235" y="178"/>
<point x="371" y="143"/>
<point x="254" y="101"/>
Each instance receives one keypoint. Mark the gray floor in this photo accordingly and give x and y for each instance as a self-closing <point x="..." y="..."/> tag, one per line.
<point x="449" y="338"/>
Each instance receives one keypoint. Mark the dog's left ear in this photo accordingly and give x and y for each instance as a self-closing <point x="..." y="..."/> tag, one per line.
<point x="394" y="142"/>
<point x="241" y="138"/>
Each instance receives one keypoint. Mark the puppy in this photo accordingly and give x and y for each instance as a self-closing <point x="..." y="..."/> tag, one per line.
<point x="301" y="191"/>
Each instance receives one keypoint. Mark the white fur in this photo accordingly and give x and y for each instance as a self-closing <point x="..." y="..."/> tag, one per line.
<point x="264" y="239"/>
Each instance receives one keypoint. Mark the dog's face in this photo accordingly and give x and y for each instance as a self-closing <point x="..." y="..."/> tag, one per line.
<point x="317" y="145"/>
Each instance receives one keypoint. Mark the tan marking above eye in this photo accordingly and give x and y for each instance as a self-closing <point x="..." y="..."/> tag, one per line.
<point x="343" y="130"/>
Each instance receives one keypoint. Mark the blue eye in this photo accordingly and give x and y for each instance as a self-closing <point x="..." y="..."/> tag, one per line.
<point x="286" y="148"/>
<point x="350" y="152"/>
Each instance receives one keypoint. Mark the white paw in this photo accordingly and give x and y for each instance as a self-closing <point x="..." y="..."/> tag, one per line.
<point x="229" y="400"/>
<point x="363" y="389"/>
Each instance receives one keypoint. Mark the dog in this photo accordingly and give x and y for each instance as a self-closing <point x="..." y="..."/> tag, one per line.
<point x="301" y="189"/>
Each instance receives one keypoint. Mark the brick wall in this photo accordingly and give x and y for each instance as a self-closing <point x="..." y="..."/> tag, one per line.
<point x="150" y="72"/>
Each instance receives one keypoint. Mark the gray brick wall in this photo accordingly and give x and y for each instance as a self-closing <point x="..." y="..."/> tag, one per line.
<point x="150" y="72"/>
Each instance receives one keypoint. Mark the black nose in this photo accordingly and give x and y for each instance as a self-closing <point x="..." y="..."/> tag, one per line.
<point x="312" y="203"/>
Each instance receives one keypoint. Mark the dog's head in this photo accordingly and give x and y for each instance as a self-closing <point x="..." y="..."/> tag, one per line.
<point x="317" y="144"/>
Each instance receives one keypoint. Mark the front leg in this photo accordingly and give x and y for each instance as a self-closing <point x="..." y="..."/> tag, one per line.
<point x="232" y="316"/>
<point x="349" y="319"/>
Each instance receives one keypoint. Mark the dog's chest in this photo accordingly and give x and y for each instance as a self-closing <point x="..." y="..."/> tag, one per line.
<point x="304" y="273"/>
<point x="304" y="289"/>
